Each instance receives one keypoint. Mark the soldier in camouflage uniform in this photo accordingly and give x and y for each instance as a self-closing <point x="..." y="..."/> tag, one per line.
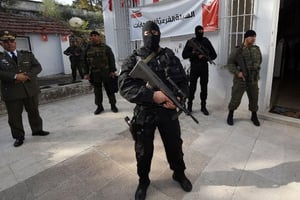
<point x="252" y="57"/>
<point x="99" y="68"/>
<point x="75" y="52"/>
<point x="19" y="87"/>
<point x="154" y="109"/>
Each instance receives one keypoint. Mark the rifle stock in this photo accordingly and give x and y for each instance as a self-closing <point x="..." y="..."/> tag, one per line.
<point x="202" y="51"/>
<point x="142" y="71"/>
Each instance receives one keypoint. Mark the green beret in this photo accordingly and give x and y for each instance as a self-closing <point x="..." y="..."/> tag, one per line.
<point x="7" y="35"/>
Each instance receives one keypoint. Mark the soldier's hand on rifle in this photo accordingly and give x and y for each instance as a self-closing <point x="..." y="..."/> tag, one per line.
<point x="160" y="98"/>
<point x="241" y="75"/>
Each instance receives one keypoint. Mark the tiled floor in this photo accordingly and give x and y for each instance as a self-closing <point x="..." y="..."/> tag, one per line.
<point x="90" y="157"/>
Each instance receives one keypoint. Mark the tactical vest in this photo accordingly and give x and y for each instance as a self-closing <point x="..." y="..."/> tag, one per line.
<point x="165" y="65"/>
<point x="97" y="58"/>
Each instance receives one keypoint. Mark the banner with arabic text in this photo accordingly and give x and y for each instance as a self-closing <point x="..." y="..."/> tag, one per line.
<point x="175" y="18"/>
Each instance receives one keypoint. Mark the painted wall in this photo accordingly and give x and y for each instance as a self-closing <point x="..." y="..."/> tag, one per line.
<point x="48" y="53"/>
<point x="265" y="23"/>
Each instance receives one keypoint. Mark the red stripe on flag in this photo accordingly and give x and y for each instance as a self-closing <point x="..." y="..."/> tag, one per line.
<point x="110" y="5"/>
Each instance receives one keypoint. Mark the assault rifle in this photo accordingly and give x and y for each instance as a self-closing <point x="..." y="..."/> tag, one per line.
<point x="240" y="61"/>
<point x="142" y="71"/>
<point x="201" y="51"/>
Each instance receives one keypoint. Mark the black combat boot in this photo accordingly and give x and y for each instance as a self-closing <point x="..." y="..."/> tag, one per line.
<point x="141" y="189"/>
<point x="254" y="119"/>
<point x="99" y="110"/>
<point x="189" y="106"/>
<point x="203" y="108"/>
<point x="114" y="108"/>
<point x="230" y="118"/>
<point x="184" y="182"/>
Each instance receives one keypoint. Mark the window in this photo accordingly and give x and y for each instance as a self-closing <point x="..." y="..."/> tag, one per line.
<point x="23" y="43"/>
<point x="240" y="20"/>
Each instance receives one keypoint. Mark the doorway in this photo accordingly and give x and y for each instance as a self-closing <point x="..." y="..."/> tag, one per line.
<point x="285" y="97"/>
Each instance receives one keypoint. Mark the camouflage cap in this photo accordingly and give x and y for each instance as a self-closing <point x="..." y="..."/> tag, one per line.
<point x="7" y="35"/>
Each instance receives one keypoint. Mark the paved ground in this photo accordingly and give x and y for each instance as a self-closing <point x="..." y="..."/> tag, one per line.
<point x="90" y="157"/>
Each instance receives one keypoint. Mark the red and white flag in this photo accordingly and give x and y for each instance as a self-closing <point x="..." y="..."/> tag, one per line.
<point x="210" y="10"/>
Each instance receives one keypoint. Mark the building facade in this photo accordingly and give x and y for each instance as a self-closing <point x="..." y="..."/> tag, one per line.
<point x="267" y="18"/>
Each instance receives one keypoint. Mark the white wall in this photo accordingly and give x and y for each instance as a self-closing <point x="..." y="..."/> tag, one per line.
<point x="48" y="53"/>
<point x="265" y="24"/>
<point x="66" y="67"/>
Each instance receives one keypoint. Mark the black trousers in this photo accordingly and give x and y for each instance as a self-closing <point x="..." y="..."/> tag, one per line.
<point x="14" y="111"/>
<point x="99" y="93"/>
<point x="198" y="71"/>
<point x="76" y="65"/>
<point x="171" y="137"/>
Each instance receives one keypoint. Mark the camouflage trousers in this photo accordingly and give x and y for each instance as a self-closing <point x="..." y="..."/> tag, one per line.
<point x="238" y="89"/>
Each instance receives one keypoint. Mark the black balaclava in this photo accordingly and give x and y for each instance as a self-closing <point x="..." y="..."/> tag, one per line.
<point x="199" y="34"/>
<point x="151" y="41"/>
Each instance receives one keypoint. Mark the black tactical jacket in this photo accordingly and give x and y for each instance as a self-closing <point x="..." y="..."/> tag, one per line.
<point x="164" y="64"/>
<point x="189" y="52"/>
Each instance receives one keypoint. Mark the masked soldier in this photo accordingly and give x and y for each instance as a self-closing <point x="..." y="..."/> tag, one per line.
<point x="19" y="88"/>
<point x="154" y="109"/>
<point x="245" y="78"/>
<point x="99" y="68"/>
<point x="199" y="65"/>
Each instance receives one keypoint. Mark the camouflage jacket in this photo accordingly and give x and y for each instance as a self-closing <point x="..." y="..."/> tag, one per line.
<point x="99" y="58"/>
<point x="253" y="58"/>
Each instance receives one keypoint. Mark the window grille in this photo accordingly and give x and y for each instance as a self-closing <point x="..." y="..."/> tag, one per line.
<point x="240" y="20"/>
